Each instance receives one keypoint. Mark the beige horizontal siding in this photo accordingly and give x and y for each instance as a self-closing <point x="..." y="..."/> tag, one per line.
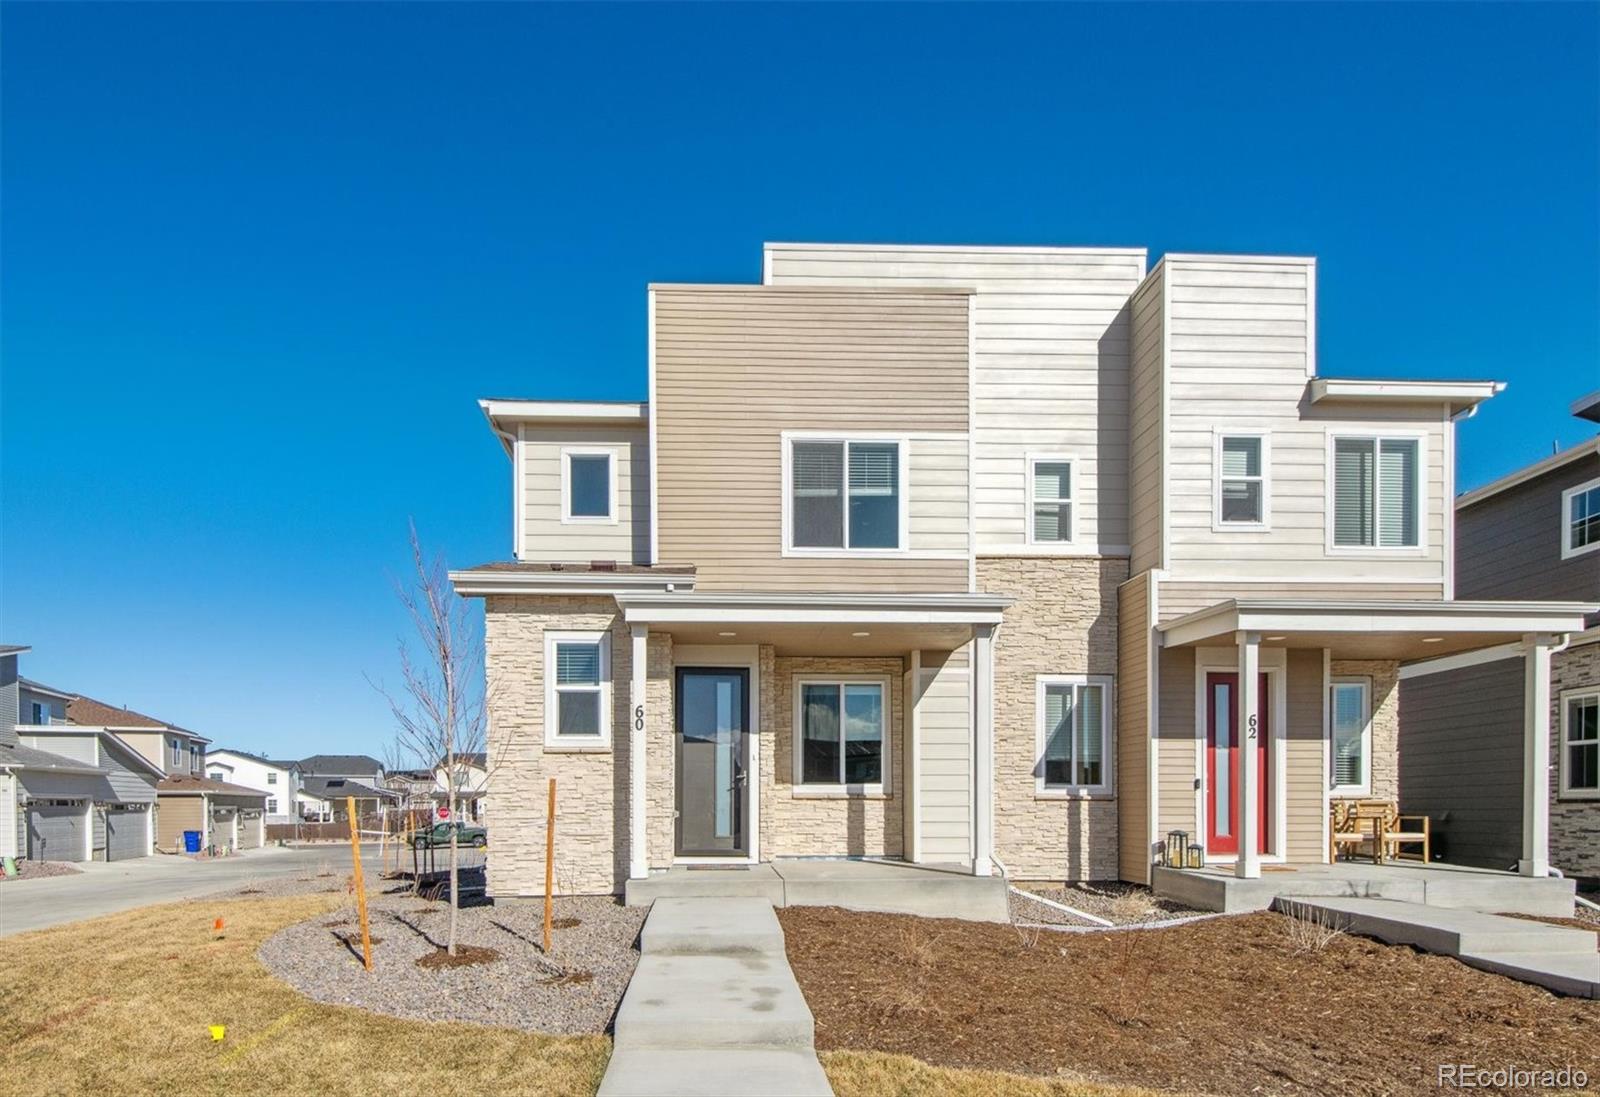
<point x="1051" y="341"/>
<point x="1179" y="598"/>
<point x="944" y="782"/>
<point x="1304" y="779"/>
<point x="545" y="537"/>
<point x="1175" y="747"/>
<point x="737" y="366"/>
<point x="1133" y="729"/>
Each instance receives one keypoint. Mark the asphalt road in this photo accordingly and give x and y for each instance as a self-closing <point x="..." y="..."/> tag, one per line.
<point x="123" y="885"/>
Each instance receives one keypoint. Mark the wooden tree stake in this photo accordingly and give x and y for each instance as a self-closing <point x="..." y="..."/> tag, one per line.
<point x="549" y="861"/>
<point x="361" y="887"/>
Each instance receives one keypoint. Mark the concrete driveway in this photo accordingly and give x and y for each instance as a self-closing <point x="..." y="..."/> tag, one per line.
<point x="123" y="885"/>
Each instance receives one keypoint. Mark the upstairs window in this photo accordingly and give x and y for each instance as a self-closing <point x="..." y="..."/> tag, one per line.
<point x="1580" y="519"/>
<point x="1050" y="483"/>
<point x="1580" y="743"/>
<point x="588" y="485"/>
<point x="1240" y="462"/>
<point x="1350" y="719"/>
<point x="177" y="753"/>
<point x="577" y="689"/>
<point x="1377" y="493"/>
<point x="1073" y="735"/>
<point x="272" y="776"/>
<point x="845" y="495"/>
<point x="41" y="713"/>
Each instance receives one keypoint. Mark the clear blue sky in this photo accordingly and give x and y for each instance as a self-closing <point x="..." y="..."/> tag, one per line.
<point x="260" y="260"/>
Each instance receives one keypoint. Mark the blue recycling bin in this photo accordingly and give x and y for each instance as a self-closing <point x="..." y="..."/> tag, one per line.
<point x="191" y="841"/>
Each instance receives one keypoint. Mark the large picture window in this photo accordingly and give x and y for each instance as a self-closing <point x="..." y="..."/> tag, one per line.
<point x="577" y="690"/>
<point x="1350" y="721"/>
<point x="841" y="734"/>
<point x="845" y="495"/>
<point x="1580" y="743"/>
<point x="1073" y="734"/>
<point x="1580" y="519"/>
<point x="1377" y="493"/>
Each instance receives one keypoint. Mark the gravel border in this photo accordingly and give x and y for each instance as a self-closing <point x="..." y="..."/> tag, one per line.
<point x="573" y="992"/>
<point x="38" y="870"/>
<point x="1118" y="903"/>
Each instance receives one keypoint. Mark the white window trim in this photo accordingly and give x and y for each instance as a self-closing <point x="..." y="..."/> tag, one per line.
<point x="874" y="789"/>
<point x="1567" y="551"/>
<point x="567" y="454"/>
<point x="1071" y="461"/>
<point x="1364" y="788"/>
<point x="789" y="438"/>
<point x="1567" y="791"/>
<point x="1265" y="480"/>
<point x="576" y="744"/>
<point x="1041" y="791"/>
<point x="1422" y="500"/>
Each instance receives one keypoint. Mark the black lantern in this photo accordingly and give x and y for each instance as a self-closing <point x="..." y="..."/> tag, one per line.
<point x="1176" y="847"/>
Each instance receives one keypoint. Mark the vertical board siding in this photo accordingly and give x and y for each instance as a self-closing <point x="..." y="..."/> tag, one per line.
<point x="1133" y="730"/>
<point x="1238" y="353"/>
<point x="1051" y="334"/>
<point x="545" y="537"/>
<point x="944" y="778"/>
<point x="1146" y="448"/>
<point x="1461" y="760"/>
<point x="1509" y="545"/>
<point x="738" y="365"/>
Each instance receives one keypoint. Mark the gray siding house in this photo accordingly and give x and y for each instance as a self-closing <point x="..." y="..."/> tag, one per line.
<point x="1533" y="534"/>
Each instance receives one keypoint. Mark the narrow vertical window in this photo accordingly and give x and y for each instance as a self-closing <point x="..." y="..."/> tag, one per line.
<point x="1350" y="721"/>
<point x="1050" y="489"/>
<point x="577" y="689"/>
<point x="1580" y="734"/>
<point x="1580" y="514"/>
<point x="1241" y="480"/>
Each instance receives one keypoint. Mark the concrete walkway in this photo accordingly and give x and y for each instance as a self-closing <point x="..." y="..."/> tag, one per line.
<point x="713" y="1008"/>
<point x="1554" y="957"/>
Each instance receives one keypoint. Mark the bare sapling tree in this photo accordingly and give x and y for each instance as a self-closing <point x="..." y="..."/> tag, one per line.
<point x="441" y="711"/>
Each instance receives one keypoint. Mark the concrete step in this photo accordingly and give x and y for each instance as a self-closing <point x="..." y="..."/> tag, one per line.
<point x="707" y="1001"/>
<point x="1445" y="930"/>
<point x="758" y="881"/>
<point x="1578" y="976"/>
<point x="894" y="889"/>
<point x="657" y="1072"/>
<point x="727" y="927"/>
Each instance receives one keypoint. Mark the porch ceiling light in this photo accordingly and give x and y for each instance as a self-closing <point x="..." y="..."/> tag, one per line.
<point x="727" y="634"/>
<point x="1271" y="639"/>
<point x="1432" y="639"/>
<point x="861" y="634"/>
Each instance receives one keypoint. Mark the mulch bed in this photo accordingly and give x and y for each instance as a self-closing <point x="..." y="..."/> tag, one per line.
<point x="1225" y="1005"/>
<point x="466" y="956"/>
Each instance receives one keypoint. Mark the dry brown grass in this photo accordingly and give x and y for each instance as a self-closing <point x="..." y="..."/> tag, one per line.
<point x="873" y="1074"/>
<point x="121" y="1005"/>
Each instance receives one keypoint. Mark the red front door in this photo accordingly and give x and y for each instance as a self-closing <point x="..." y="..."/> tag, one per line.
<point x="1223" y="764"/>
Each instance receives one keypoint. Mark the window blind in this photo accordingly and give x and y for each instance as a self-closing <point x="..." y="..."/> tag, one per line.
<point x="874" y="468"/>
<point x="1241" y="457"/>
<point x="1349" y="724"/>
<point x="1397" y="494"/>
<point x="578" y="664"/>
<point x="1089" y="720"/>
<point x="1353" y="487"/>
<point x="818" y="468"/>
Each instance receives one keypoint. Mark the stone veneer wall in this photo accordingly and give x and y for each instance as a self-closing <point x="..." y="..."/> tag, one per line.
<point x="1384" y="675"/>
<point x="591" y="786"/>
<point x="1574" y="824"/>
<point x="1064" y="622"/>
<point x="794" y="825"/>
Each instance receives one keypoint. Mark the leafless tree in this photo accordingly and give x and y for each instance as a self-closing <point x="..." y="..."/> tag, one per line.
<point x="441" y="710"/>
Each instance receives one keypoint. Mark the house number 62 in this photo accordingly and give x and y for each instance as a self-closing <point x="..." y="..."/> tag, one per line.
<point x="1252" y="725"/>
<point x="638" y="718"/>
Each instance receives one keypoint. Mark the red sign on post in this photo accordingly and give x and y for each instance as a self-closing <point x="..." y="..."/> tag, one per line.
<point x="444" y="813"/>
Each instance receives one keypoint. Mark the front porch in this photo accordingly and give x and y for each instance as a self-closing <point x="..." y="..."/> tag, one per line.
<point x="1217" y="887"/>
<point x="894" y="887"/>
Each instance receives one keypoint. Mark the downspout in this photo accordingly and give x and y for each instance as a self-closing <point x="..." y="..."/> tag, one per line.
<point x="1566" y="640"/>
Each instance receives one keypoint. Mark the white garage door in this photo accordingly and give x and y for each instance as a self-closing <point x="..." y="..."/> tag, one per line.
<point x="126" y="837"/>
<point x="222" y="827"/>
<point x="55" y="831"/>
<point x="250" y="831"/>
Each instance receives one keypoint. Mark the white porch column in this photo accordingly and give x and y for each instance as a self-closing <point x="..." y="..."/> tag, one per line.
<point x="1248" y="866"/>
<point x="638" y="852"/>
<point x="1535" y="756"/>
<point x="983" y="750"/>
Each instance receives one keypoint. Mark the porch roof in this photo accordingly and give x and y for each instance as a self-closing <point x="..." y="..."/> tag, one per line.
<point x="1403" y="630"/>
<point x="843" y="624"/>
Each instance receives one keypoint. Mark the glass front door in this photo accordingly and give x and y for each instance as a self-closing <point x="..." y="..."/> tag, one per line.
<point x="713" y="707"/>
<point x="1223" y="764"/>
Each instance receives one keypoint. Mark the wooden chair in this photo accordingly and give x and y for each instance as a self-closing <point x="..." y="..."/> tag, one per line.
<point x="1357" y="823"/>
<point x="1405" y="830"/>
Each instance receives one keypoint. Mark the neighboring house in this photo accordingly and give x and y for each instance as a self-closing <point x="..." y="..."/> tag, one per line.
<point x="278" y="780"/>
<point x="327" y="780"/>
<point x="1534" y="533"/>
<point x="67" y="793"/>
<point x="986" y="557"/>
<point x="472" y="781"/>
<point x="412" y="787"/>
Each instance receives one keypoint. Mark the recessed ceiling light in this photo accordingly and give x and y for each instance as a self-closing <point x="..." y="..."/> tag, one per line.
<point x="727" y="634"/>
<point x="1277" y="637"/>
<point x="861" y="634"/>
<point x="1432" y="639"/>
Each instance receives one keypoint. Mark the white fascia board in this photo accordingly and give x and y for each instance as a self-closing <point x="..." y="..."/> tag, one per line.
<point x="1424" y="667"/>
<point x="1225" y="257"/>
<point x="1359" y="616"/>
<point x="479" y="583"/>
<point x="957" y="249"/>
<point x="1460" y="395"/>
<point x="1522" y="475"/>
<point x="949" y="609"/>
<point x="565" y="411"/>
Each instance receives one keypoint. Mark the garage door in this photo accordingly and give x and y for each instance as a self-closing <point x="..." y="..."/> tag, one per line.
<point x="222" y="827"/>
<point x="125" y="833"/>
<point x="250" y="829"/>
<point x="55" y="831"/>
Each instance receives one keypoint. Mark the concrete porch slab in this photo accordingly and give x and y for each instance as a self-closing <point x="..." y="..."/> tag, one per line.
<point x="736" y="925"/>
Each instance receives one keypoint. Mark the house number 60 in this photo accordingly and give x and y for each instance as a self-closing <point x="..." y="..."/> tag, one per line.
<point x="638" y="718"/>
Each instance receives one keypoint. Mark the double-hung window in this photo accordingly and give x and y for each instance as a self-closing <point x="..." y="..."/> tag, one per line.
<point x="1050" y="484"/>
<point x="1580" y="743"/>
<point x="1377" y="492"/>
<point x="841" y="735"/>
<point x="272" y="806"/>
<point x="1580" y="519"/>
<point x="1073" y="735"/>
<point x="272" y="776"/>
<point x="588" y="485"/>
<point x="845" y="494"/>
<point x="1350" y="721"/>
<point x="1240" y="463"/>
<point x="177" y="753"/>
<point x="577" y="690"/>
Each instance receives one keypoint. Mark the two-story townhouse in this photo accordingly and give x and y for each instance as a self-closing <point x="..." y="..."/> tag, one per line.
<point x="471" y="782"/>
<point x="1533" y="533"/>
<point x="984" y="557"/>
<point x="327" y="781"/>
<point x="276" y="779"/>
